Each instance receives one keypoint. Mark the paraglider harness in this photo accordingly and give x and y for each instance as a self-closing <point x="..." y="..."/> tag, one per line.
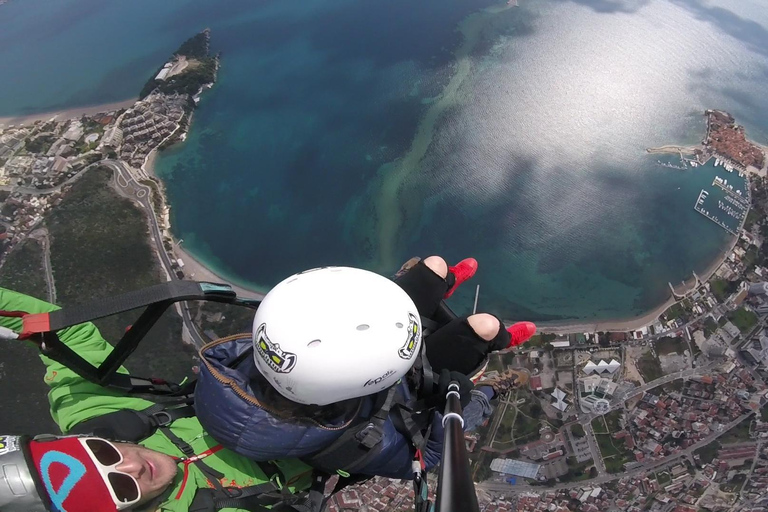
<point x="357" y="445"/>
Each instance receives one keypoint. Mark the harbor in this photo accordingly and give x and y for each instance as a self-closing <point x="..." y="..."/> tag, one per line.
<point x="726" y="204"/>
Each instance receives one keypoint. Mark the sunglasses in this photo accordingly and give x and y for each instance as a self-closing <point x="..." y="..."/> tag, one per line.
<point x="123" y="488"/>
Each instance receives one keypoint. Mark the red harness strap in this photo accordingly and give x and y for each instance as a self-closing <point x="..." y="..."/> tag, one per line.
<point x="32" y="324"/>
<point x="192" y="460"/>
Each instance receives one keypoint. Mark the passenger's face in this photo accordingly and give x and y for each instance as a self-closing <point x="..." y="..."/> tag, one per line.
<point x="153" y="470"/>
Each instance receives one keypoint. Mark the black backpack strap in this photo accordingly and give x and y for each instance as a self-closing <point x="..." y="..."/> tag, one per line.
<point x="359" y="443"/>
<point x="41" y="329"/>
<point x="262" y="498"/>
<point x="132" y="425"/>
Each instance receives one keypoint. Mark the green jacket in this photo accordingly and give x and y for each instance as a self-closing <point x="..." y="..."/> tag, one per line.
<point x="74" y="399"/>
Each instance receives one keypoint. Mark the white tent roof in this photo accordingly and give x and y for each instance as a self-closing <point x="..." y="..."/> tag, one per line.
<point x="558" y="394"/>
<point x="590" y="367"/>
<point x="613" y="365"/>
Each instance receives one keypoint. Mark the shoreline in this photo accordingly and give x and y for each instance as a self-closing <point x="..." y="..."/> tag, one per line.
<point x="637" y="322"/>
<point x="193" y="267"/>
<point x="198" y="271"/>
<point x="69" y="113"/>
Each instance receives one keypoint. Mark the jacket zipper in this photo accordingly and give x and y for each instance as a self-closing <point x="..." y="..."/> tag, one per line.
<point x="249" y="398"/>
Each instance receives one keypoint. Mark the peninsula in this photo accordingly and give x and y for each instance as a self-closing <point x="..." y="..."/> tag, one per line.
<point x="725" y="141"/>
<point x="42" y="158"/>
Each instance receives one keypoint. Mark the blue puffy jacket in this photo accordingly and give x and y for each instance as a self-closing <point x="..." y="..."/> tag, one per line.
<point x="229" y="405"/>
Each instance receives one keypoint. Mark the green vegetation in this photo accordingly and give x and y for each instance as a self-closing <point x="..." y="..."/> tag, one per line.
<point x="504" y="434"/>
<point x="223" y="319"/>
<point x="577" y="430"/>
<point x="752" y="217"/>
<point x="540" y="340"/>
<point x="614" y="453"/>
<point x="196" y="47"/>
<point x="23" y="270"/>
<point x="200" y="71"/>
<point x="710" y="326"/>
<point x="743" y="319"/>
<point x="93" y="256"/>
<point x="708" y="452"/>
<point x="649" y="367"/>
<point x="612" y="421"/>
<point x="665" y="346"/>
<point x="721" y="288"/>
<point x="737" y="434"/>
<point x="674" y="311"/>
<point x="764" y="413"/>
<point x="734" y="484"/>
<point x="598" y="426"/>
<point x="40" y="144"/>
<point x="663" y="478"/>
<point x="577" y="472"/>
<point x="21" y="369"/>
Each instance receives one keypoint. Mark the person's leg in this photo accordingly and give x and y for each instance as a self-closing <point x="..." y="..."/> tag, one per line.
<point x="425" y="284"/>
<point x="431" y="280"/>
<point x="463" y="344"/>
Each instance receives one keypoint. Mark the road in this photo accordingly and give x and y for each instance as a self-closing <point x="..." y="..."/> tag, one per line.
<point x="501" y="488"/>
<point x="129" y="187"/>
<point x="594" y="448"/>
<point x="649" y="385"/>
<point x="57" y="188"/>
<point x="41" y="235"/>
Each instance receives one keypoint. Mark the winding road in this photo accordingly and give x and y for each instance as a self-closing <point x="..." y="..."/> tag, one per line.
<point x="129" y="187"/>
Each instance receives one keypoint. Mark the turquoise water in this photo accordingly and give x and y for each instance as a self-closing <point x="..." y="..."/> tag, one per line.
<point x="362" y="133"/>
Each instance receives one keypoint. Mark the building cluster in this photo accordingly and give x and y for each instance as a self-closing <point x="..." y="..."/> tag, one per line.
<point x="666" y="424"/>
<point x="589" y="499"/>
<point x="20" y="214"/>
<point x="36" y="161"/>
<point x="146" y="125"/>
<point x="725" y="138"/>
<point x="378" y="495"/>
<point x="11" y="141"/>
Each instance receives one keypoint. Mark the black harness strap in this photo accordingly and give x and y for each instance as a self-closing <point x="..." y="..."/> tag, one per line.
<point x="41" y="328"/>
<point x="359" y="443"/>
<point x="131" y="425"/>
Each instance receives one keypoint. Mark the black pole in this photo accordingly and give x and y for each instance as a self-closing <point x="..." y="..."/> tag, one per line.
<point x="455" y="489"/>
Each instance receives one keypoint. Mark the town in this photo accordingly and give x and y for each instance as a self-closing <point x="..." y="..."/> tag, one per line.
<point x="671" y="416"/>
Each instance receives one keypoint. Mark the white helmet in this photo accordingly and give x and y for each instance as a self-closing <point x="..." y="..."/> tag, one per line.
<point x="335" y="333"/>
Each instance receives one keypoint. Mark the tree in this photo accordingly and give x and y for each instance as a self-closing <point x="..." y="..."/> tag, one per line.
<point x="535" y="411"/>
<point x="484" y="472"/>
<point x="577" y="430"/>
<point x="593" y="472"/>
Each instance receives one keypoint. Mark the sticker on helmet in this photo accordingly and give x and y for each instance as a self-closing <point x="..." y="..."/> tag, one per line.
<point x="377" y="380"/>
<point x="414" y="336"/>
<point x="8" y="444"/>
<point x="278" y="360"/>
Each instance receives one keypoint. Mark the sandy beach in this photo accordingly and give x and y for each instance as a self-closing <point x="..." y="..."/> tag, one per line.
<point x="196" y="271"/>
<point x="71" y="113"/>
<point x="637" y="322"/>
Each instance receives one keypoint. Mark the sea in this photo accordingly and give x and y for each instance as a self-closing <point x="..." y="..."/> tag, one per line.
<point x="361" y="133"/>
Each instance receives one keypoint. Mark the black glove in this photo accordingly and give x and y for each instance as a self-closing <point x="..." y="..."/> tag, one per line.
<point x="465" y="386"/>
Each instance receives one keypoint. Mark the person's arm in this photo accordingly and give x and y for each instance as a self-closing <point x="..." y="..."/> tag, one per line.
<point x="72" y="398"/>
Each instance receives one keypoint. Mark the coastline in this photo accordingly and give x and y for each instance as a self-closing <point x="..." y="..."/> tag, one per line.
<point x="193" y="267"/>
<point x="70" y="113"/>
<point x="198" y="271"/>
<point x="630" y="324"/>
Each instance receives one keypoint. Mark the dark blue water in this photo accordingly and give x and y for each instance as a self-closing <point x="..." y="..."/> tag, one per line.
<point x="362" y="133"/>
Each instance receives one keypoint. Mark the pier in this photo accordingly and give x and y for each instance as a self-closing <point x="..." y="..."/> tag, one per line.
<point x="737" y="213"/>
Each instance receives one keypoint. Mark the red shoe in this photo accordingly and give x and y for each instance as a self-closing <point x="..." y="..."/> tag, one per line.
<point x="463" y="270"/>
<point x="521" y="332"/>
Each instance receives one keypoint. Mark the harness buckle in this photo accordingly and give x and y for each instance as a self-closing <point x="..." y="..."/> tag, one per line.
<point x="161" y="418"/>
<point x="370" y="436"/>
